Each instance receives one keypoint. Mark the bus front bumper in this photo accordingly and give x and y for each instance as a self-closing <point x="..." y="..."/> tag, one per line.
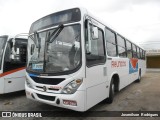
<point x="74" y="101"/>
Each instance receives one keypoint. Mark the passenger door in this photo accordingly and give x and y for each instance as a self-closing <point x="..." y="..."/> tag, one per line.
<point x="96" y="76"/>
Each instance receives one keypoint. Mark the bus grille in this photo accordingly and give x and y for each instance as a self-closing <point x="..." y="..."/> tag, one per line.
<point x="49" y="81"/>
<point x="50" y="98"/>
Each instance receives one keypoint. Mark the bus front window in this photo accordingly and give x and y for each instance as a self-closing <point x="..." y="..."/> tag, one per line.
<point x="61" y="54"/>
<point x="2" y="41"/>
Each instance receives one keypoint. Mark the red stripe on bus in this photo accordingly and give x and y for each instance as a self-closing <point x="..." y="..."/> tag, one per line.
<point x="11" y="71"/>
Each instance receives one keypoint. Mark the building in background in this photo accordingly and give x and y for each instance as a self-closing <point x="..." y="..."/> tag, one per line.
<point x="152" y="53"/>
<point x="153" y="58"/>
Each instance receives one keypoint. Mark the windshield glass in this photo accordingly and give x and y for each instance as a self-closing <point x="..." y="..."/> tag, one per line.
<point x="56" y="55"/>
<point x="2" y="44"/>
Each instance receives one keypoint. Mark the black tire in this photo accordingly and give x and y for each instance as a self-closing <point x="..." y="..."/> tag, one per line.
<point x="111" y="92"/>
<point x="139" y="77"/>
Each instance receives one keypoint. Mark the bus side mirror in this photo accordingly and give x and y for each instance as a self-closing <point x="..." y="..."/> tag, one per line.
<point x="94" y="33"/>
<point x="92" y="39"/>
<point x="32" y="49"/>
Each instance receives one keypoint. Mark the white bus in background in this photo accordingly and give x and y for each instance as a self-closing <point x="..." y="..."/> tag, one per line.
<point x="75" y="61"/>
<point x="13" y="51"/>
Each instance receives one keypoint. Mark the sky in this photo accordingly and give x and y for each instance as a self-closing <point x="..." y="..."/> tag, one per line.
<point x="137" y="20"/>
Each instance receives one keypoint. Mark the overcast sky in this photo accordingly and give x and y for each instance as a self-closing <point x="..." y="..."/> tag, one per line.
<point x="138" y="20"/>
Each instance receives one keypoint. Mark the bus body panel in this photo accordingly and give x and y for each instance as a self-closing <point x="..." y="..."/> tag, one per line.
<point x="96" y="85"/>
<point x="96" y="94"/>
<point x="14" y="81"/>
<point x="142" y="66"/>
<point x="125" y="78"/>
<point x="118" y="66"/>
<point x="79" y="97"/>
<point x="2" y="84"/>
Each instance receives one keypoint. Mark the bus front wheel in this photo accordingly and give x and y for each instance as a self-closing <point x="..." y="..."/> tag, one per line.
<point x="111" y="92"/>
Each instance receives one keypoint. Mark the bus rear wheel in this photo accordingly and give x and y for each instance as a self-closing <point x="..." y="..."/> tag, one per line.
<point x="111" y="92"/>
<point x="139" y="77"/>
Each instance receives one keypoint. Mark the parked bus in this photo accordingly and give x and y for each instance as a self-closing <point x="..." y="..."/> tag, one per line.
<point x="13" y="51"/>
<point x="75" y="61"/>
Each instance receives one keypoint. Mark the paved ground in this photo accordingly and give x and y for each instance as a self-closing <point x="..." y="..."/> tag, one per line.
<point x="143" y="96"/>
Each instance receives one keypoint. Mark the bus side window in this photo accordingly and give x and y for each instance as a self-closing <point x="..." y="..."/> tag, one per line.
<point x="23" y="53"/>
<point x="138" y="52"/>
<point x="143" y="55"/>
<point x="8" y="52"/>
<point x="134" y="50"/>
<point x="121" y="47"/>
<point x="111" y="43"/>
<point x="129" y="49"/>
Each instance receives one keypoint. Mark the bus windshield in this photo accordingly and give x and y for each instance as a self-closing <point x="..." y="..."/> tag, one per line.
<point x="63" y="53"/>
<point x="2" y="41"/>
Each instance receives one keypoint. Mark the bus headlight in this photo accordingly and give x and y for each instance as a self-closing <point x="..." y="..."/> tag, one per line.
<point x="28" y="83"/>
<point x="71" y="87"/>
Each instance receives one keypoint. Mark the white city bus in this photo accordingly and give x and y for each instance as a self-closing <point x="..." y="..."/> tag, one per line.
<point x="75" y="61"/>
<point x="13" y="51"/>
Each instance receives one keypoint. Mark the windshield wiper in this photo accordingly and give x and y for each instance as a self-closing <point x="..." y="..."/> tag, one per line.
<point x="33" y="39"/>
<point x="50" y="37"/>
<point x="36" y="40"/>
<point x="55" y="33"/>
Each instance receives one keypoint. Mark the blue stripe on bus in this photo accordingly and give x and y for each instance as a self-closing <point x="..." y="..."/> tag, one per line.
<point x="32" y="75"/>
